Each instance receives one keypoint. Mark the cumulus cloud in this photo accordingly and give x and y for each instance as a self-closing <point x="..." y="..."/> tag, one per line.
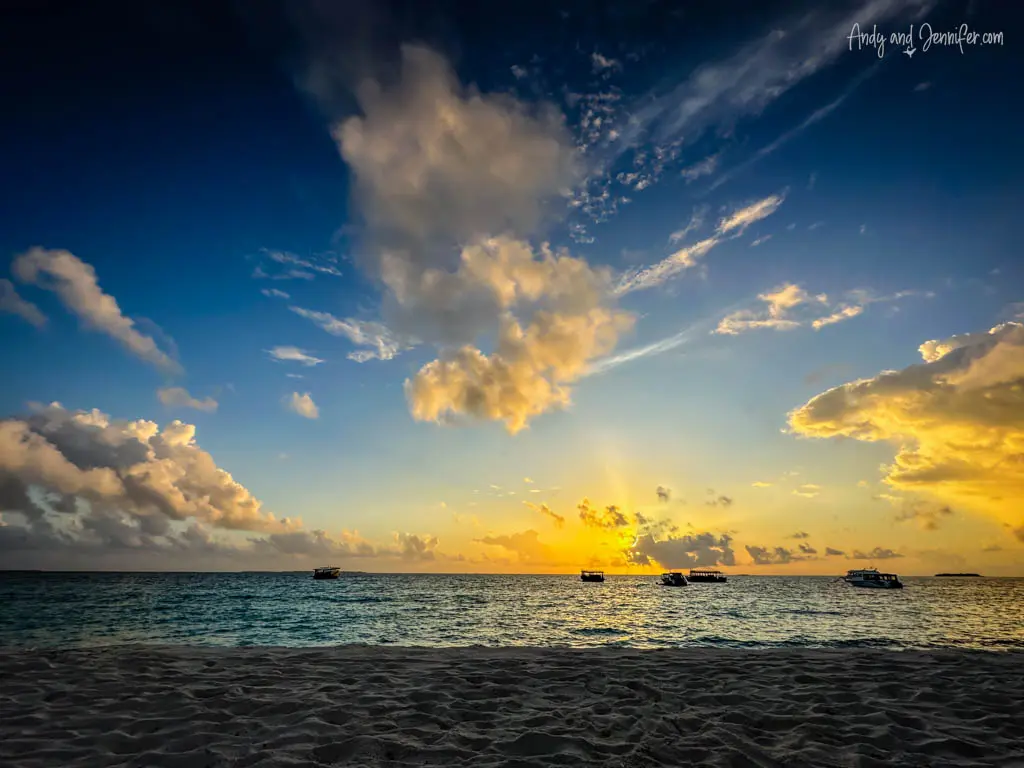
<point x="720" y="501"/>
<point x="830" y="552"/>
<point x="789" y="306"/>
<point x="609" y="517"/>
<point x="303" y="405"/>
<point x="76" y="285"/>
<point x="664" y="494"/>
<point x="800" y="535"/>
<point x="602" y="64"/>
<point x="958" y="419"/>
<point x="178" y="397"/>
<point x="807" y="490"/>
<point x="681" y="551"/>
<point x="12" y="304"/>
<point x="97" y="471"/>
<point x="293" y="354"/>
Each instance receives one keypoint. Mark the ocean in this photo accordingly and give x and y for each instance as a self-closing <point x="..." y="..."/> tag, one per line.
<point x="47" y="610"/>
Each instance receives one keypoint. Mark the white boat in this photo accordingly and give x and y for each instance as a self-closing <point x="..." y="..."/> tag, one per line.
<point x="872" y="578"/>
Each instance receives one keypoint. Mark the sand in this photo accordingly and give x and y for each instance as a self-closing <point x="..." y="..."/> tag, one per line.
<point x="518" y="708"/>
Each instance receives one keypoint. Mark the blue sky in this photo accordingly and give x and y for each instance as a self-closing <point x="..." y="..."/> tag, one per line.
<point x="177" y="159"/>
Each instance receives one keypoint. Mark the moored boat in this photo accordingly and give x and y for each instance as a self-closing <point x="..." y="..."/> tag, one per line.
<point x="706" y="575"/>
<point x="673" y="579"/>
<point x="872" y="578"/>
<point x="591" y="575"/>
<point x="327" y="572"/>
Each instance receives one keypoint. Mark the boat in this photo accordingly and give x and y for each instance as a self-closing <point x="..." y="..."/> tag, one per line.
<point x="872" y="578"/>
<point x="591" y="575"/>
<point x="327" y="572"/>
<point x="673" y="579"/>
<point x="706" y="575"/>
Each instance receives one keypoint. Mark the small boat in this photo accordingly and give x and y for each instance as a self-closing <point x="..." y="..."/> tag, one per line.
<point x="872" y="579"/>
<point x="706" y="575"/>
<point x="327" y="572"/>
<point x="591" y="575"/>
<point x="673" y="579"/>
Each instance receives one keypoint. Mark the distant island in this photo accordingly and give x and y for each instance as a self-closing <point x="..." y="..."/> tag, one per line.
<point x="958" y="574"/>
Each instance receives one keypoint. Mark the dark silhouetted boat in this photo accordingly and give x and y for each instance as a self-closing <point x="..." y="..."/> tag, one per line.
<point x="703" y="575"/>
<point x="327" y="572"/>
<point x="673" y="579"/>
<point x="591" y="575"/>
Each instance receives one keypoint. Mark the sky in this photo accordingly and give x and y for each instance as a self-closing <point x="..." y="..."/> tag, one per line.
<point x="628" y="286"/>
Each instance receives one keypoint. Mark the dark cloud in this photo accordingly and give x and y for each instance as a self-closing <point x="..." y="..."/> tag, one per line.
<point x="721" y="501"/>
<point x="807" y="549"/>
<point x="928" y="515"/>
<point x="878" y="553"/>
<point x="610" y="517"/>
<point x="674" y="551"/>
<point x="664" y="494"/>
<point x="829" y="552"/>
<point x="800" y="535"/>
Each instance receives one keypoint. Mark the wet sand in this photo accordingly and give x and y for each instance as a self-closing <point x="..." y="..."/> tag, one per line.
<point x="515" y="708"/>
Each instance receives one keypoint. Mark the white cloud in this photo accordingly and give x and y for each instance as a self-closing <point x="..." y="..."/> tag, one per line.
<point x="13" y="304"/>
<point x="274" y="292"/>
<point x="705" y="167"/>
<point x="179" y="397"/>
<point x="730" y="226"/>
<point x="293" y="354"/>
<point x="760" y="241"/>
<point x="790" y="307"/>
<point x="604" y="64"/>
<point x="695" y="223"/>
<point x="385" y="345"/>
<point x="303" y="405"/>
<point x="75" y="284"/>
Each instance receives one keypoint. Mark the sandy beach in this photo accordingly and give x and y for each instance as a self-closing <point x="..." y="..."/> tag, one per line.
<point x="379" y="706"/>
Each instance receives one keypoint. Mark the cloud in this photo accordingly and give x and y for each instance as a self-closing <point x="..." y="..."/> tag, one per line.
<point x="800" y="535"/>
<point x="385" y="344"/>
<point x="518" y="72"/>
<point x="695" y="223"/>
<point x="729" y="226"/>
<point x="664" y="494"/>
<point x="807" y="549"/>
<point x="829" y="552"/>
<point x="178" y="397"/>
<point x="957" y="419"/>
<point x="761" y="484"/>
<point x="12" y="304"/>
<point x="760" y="241"/>
<point x="303" y="405"/>
<point x="531" y="368"/>
<point x="927" y="515"/>
<point x="288" y="266"/>
<point x="413" y="547"/>
<point x="807" y="490"/>
<point x="777" y="555"/>
<point x="274" y="292"/>
<point x="293" y="354"/>
<point x="75" y="284"/>
<point x="602" y="64"/>
<point x="721" y="501"/>
<point x="789" y="307"/>
<point x="705" y="167"/>
<point x="96" y="473"/>
<point x="922" y="86"/>
<point x="526" y="545"/>
<point x="450" y="184"/>
<point x="545" y="510"/>
<point x="609" y="517"/>
<point x="675" y="551"/>
<point x="878" y="553"/>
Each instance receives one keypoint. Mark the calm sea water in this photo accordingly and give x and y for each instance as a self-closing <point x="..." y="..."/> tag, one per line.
<point x="291" y="609"/>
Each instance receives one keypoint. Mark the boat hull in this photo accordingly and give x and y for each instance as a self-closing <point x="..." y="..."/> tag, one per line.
<point x="324" y="576"/>
<point x="875" y="585"/>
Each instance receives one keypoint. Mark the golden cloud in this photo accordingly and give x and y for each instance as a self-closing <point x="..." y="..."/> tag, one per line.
<point x="957" y="419"/>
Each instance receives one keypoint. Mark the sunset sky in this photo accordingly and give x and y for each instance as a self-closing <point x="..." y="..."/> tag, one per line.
<point x="529" y="290"/>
